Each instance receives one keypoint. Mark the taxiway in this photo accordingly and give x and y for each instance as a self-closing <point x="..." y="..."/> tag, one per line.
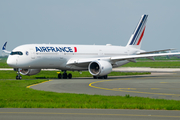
<point x="85" y="114"/>
<point x="158" y="85"/>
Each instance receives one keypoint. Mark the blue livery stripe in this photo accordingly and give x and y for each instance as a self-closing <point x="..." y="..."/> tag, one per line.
<point x="4" y="46"/>
<point x="139" y="29"/>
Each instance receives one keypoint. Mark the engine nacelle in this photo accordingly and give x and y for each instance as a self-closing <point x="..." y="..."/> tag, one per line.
<point x="100" y="68"/>
<point x="29" y="71"/>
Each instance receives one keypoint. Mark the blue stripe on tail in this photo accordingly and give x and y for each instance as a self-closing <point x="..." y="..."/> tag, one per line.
<point x="139" y="30"/>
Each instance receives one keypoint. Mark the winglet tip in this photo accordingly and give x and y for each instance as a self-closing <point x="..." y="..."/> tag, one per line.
<point x="4" y="46"/>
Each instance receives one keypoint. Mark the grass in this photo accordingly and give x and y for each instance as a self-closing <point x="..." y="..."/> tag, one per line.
<point x="53" y="74"/>
<point x="3" y="63"/>
<point x="14" y="94"/>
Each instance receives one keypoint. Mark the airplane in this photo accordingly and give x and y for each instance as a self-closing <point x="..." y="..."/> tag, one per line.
<point x="99" y="60"/>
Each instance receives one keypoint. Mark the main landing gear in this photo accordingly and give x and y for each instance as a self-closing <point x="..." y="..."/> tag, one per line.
<point x="18" y="77"/>
<point x="64" y="75"/>
<point x="101" y="77"/>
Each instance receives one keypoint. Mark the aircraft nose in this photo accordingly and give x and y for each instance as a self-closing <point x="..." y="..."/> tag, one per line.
<point x="11" y="62"/>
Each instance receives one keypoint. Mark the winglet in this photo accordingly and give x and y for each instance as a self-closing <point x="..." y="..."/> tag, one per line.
<point x="4" y="48"/>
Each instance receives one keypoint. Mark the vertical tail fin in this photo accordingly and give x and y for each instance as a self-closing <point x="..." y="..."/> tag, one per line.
<point x="136" y="37"/>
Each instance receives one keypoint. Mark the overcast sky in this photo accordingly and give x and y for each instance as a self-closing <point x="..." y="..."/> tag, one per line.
<point x="89" y="22"/>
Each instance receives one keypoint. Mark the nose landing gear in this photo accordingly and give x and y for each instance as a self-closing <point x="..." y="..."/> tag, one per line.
<point x="64" y="75"/>
<point x="18" y="77"/>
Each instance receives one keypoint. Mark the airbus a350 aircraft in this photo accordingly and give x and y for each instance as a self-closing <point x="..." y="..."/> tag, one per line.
<point x="98" y="59"/>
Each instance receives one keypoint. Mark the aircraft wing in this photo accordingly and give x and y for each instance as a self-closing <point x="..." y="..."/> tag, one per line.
<point x="119" y="58"/>
<point x="155" y="51"/>
<point x="86" y="61"/>
<point x="78" y="61"/>
<point x="75" y="61"/>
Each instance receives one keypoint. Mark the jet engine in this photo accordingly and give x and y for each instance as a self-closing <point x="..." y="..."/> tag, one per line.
<point x="100" y="68"/>
<point x="29" y="71"/>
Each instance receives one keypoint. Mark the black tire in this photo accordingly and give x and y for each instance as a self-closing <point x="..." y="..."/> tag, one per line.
<point x="94" y="77"/>
<point x="69" y="76"/>
<point x="59" y="76"/>
<point x="17" y="78"/>
<point x="105" y="77"/>
<point x="64" y="75"/>
<point x="100" y="77"/>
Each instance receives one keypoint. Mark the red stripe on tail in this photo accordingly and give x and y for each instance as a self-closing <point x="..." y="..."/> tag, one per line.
<point x="141" y="36"/>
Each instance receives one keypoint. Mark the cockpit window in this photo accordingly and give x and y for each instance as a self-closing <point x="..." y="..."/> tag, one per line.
<point x="16" y="53"/>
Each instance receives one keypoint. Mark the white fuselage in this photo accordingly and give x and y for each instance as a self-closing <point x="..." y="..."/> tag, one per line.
<point x="56" y="56"/>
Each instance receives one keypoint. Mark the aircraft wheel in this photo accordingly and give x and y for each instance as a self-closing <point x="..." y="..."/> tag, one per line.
<point x="105" y="77"/>
<point x="59" y="76"/>
<point x="100" y="77"/>
<point x="94" y="77"/>
<point x="69" y="76"/>
<point x="64" y="75"/>
<point x="18" y="77"/>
